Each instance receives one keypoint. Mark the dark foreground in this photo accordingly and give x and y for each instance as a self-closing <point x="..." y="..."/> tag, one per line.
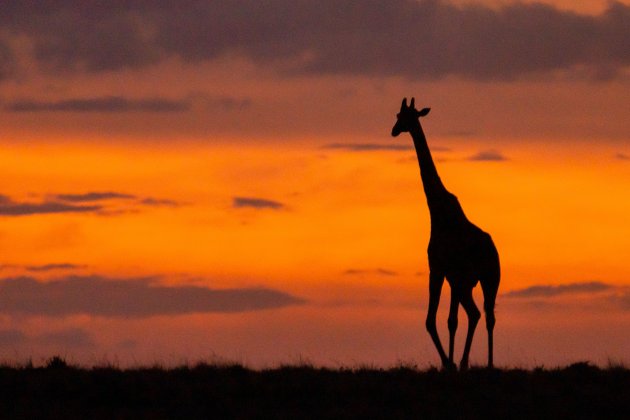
<point x="207" y="391"/>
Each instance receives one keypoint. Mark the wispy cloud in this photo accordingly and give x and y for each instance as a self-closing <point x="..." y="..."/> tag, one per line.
<point x="8" y="207"/>
<point x="256" y="203"/>
<point x="159" y="202"/>
<point x="41" y="268"/>
<point x="228" y="103"/>
<point x="621" y="300"/>
<point x="93" y="196"/>
<point x="71" y="337"/>
<point x="622" y="156"/>
<point x="129" y="297"/>
<point x="488" y="156"/>
<point x="368" y="147"/>
<point x="106" y="104"/>
<point x="98" y="202"/>
<point x="543" y="291"/>
<point x="379" y="271"/>
<point x="54" y="266"/>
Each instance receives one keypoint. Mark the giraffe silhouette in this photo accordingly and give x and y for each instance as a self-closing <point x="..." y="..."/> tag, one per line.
<point x="458" y="250"/>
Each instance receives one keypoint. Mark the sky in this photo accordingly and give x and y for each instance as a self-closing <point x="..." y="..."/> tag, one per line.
<point x="200" y="180"/>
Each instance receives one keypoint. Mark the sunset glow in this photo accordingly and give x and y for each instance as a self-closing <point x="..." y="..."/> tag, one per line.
<point x="262" y="170"/>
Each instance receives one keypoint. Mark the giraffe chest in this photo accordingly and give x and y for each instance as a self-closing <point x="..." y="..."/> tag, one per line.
<point x="457" y="251"/>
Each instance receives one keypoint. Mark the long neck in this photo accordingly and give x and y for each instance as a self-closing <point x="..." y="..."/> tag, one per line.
<point x="433" y="187"/>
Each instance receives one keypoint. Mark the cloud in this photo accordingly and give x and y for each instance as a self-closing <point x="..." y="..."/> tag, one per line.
<point x="92" y="196"/>
<point x="106" y="104"/>
<point x="488" y="156"/>
<point x="7" y="61"/>
<point x="228" y="103"/>
<point x="54" y="266"/>
<point x="100" y="202"/>
<point x="159" y="202"/>
<point x="132" y="297"/>
<point x="256" y="203"/>
<point x="367" y="147"/>
<point x="622" y="156"/>
<point x="418" y="39"/>
<point x="72" y="337"/>
<point x="544" y="291"/>
<point x="11" y="337"/>
<point x="112" y="195"/>
<point x="8" y="207"/>
<point x="379" y="271"/>
<point x="621" y="300"/>
<point x="43" y="267"/>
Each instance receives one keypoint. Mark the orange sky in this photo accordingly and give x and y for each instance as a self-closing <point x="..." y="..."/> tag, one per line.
<point x="238" y="173"/>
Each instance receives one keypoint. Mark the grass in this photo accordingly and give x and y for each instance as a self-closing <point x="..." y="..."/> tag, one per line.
<point x="58" y="390"/>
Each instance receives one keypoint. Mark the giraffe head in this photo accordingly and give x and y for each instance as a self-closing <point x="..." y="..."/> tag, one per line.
<point x="408" y="117"/>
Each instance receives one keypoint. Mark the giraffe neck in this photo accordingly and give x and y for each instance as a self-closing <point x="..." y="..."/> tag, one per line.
<point x="433" y="187"/>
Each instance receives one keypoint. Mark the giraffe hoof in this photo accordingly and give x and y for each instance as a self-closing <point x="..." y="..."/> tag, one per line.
<point x="449" y="366"/>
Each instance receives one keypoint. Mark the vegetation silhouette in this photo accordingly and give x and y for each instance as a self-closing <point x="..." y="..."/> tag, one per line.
<point x="60" y="390"/>
<point x="458" y="250"/>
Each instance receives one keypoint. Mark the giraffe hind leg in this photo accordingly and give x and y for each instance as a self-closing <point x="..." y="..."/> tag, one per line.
<point x="490" y="286"/>
<point x="452" y="324"/>
<point x="473" y="318"/>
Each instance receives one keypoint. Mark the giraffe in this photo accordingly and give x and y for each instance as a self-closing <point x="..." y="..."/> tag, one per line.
<point x="458" y="250"/>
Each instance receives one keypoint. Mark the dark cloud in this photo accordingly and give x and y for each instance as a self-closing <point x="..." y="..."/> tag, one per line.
<point x="134" y="297"/>
<point x="55" y="266"/>
<point x="11" y="337"/>
<point x="419" y="39"/>
<point x="542" y="291"/>
<point x="622" y="156"/>
<point x="7" y="61"/>
<point x="8" y="207"/>
<point x="101" y="202"/>
<point x="380" y="271"/>
<point x="621" y="300"/>
<point x="368" y="147"/>
<point x="256" y="203"/>
<point x="159" y="202"/>
<point x="72" y="337"/>
<point x="112" y="195"/>
<point x="92" y="196"/>
<point x="488" y="156"/>
<point x="86" y="35"/>
<point x="43" y="267"/>
<point x="228" y="103"/>
<point x="106" y="104"/>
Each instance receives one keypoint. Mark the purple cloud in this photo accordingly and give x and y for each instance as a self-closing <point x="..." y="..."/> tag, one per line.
<point x="542" y="291"/>
<point x="417" y="39"/>
<point x="106" y="104"/>
<point x="488" y="156"/>
<point x="130" y="297"/>
<point x="256" y="203"/>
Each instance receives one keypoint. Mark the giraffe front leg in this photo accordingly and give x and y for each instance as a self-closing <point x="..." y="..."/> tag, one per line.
<point x="435" y="289"/>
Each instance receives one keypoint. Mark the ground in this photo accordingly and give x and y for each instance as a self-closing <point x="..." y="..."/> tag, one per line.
<point x="233" y="391"/>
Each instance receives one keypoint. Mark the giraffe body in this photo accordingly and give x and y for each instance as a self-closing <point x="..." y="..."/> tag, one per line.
<point x="459" y="251"/>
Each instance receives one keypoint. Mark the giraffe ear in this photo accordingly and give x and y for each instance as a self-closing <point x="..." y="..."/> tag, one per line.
<point x="423" y="112"/>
